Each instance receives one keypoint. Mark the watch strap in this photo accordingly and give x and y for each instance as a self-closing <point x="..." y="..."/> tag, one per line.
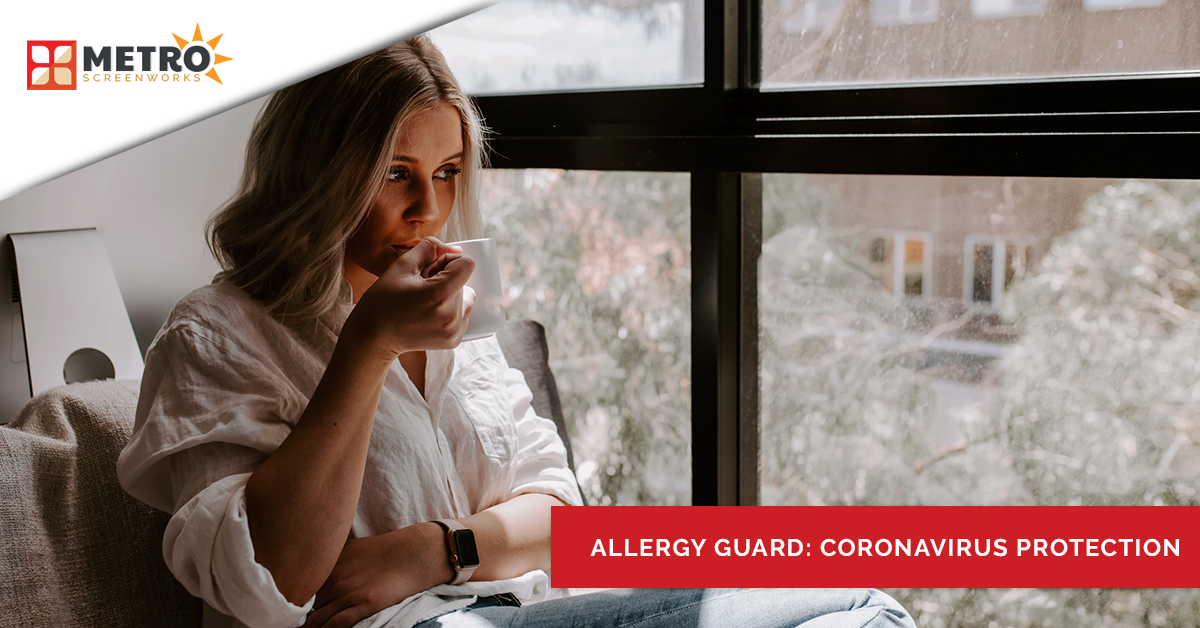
<point x="461" y="574"/>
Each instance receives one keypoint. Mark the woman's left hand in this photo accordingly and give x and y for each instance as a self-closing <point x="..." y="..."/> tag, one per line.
<point x="376" y="572"/>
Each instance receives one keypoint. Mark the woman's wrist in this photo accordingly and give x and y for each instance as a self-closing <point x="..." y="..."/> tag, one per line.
<point x="358" y="337"/>
<point x="424" y="550"/>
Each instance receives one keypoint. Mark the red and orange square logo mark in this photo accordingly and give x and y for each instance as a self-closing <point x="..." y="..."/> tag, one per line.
<point x="51" y="64"/>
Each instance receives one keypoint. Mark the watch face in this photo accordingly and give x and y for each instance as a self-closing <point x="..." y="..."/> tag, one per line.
<point x="464" y="545"/>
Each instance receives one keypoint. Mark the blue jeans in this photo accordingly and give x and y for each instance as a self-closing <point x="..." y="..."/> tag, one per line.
<point x="679" y="608"/>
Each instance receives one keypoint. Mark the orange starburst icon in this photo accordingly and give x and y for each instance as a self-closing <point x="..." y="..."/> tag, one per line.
<point x="212" y="47"/>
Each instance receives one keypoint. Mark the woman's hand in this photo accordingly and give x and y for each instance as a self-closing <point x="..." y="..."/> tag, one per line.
<point x="419" y="304"/>
<point x="376" y="572"/>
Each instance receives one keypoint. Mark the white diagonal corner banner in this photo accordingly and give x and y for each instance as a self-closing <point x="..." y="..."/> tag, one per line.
<point x="262" y="46"/>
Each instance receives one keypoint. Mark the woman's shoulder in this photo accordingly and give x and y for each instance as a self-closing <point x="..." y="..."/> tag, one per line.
<point x="221" y="314"/>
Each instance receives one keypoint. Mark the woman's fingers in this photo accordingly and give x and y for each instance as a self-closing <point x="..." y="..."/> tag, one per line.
<point x="455" y="274"/>
<point x="350" y="616"/>
<point x="443" y="248"/>
<point x="418" y="303"/>
<point x="421" y="256"/>
<point x="321" y="616"/>
<point x="326" y="594"/>
<point x="427" y="256"/>
<point x="439" y="265"/>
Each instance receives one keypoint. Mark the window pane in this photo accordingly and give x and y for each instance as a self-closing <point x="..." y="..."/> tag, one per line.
<point x="820" y="42"/>
<point x="1055" y="361"/>
<point x="603" y="261"/>
<point x="549" y="45"/>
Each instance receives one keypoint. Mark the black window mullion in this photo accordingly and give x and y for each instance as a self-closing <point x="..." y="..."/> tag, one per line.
<point x="716" y="276"/>
<point x="749" y="44"/>
<point x="715" y="197"/>
<point x="726" y="243"/>
<point x="1123" y="94"/>
<point x="1137" y="155"/>
<point x="749" y="251"/>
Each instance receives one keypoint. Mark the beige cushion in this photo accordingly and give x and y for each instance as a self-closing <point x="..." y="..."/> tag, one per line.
<point x="77" y="550"/>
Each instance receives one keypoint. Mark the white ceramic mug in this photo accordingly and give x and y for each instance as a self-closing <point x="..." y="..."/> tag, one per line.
<point x="487" y="315"/>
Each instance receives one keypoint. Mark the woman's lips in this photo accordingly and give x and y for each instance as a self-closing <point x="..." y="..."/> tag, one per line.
<point x="401" y="249"/>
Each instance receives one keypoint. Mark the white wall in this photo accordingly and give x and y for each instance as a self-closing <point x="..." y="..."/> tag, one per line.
<point x="149" y="205"/>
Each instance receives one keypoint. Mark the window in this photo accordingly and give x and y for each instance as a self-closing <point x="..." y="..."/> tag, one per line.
<point x="886" y="12"/>
<point x="903" y="263"/>
<point x="904" y="41"/>
<point x="990" y="266"/>
<point x="1016" y="164"/>
<point x="1060" y="396"/>
<point x="1105" y="5"/>
<point x="1007" y="8"/>
<point x="537" y="46"/>
<point x="601" y="259"/>
<point x="1055" y="382"/>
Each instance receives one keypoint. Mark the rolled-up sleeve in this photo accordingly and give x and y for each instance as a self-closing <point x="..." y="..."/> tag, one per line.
<point x="207" y="546"/>
<point x="207" y="416"/>
<point x="540" y="462"/>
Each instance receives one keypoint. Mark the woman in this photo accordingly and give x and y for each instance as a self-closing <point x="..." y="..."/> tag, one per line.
<point x="312" y="419"/>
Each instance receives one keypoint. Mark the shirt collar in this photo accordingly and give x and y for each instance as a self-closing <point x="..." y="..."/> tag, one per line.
<point x="345" y="292"/>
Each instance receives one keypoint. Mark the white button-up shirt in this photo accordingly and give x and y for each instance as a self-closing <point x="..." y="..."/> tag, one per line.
<point x="223" y="385"/>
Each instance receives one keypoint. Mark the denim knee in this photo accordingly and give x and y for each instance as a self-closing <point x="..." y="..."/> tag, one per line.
<point x="890" y="612"/>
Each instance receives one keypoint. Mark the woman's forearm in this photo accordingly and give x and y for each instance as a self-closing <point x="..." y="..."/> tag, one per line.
<point x="513" y="537"/>
<point x="300" y="503"/>
<point x="375" y="572"/>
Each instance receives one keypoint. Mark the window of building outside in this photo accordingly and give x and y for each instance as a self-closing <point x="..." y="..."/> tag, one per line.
<point x="1106" y="5"/>
<point x="990" y="266"/>
<point x="804" y="15"/>
<point x="898" y="41"/>
<point x="1081" y="387"/>
<point x="1007" y="8"/>
<point x="891" y="12"/>
<point x="902" y="262"/>
<point x="602" y="260"/>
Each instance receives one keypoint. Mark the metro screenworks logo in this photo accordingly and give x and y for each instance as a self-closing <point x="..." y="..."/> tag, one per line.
<point x="53" y="64"/>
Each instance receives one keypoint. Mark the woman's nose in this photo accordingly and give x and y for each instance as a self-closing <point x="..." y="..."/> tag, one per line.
<point x="423" y="207"/>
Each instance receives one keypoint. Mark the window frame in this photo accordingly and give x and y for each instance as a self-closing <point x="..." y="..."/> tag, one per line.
<point x="728" y="131"/>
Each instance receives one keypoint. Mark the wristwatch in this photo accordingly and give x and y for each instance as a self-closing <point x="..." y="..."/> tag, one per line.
<point x="464" y="558"/>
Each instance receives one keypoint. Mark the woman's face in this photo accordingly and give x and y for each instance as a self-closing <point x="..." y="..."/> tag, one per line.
<point x="416" y="198"/>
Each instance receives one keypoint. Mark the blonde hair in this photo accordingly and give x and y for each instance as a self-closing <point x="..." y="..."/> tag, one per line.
<point x="317" y="158"/>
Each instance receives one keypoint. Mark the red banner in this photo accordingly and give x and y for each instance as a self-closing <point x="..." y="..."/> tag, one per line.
<point x="876" y="546"/>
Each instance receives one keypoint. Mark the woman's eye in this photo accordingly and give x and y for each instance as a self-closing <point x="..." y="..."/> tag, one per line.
<point x="449" y="173"/>
<point x="398" y="174"/>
